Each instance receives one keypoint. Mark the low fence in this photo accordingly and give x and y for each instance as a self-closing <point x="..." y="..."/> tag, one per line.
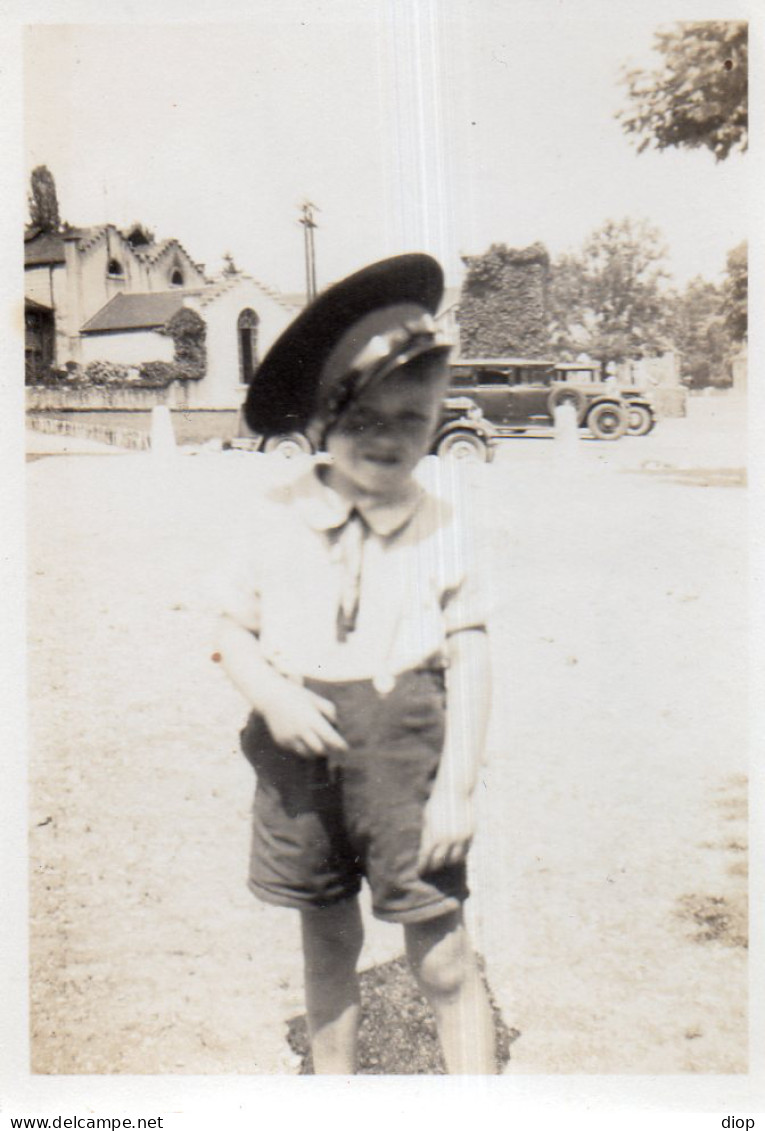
<point x="132" y="428"/>
<point x="48" y="398"/>
<point x="132" y="438"/>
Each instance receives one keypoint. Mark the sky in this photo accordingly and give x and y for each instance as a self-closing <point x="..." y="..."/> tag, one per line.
<point x="440" y="125"/>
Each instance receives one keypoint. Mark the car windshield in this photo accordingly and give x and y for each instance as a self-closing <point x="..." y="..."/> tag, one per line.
<point x="512" y="373"/>
<point x="586" y="373"/>
<point x="535" y="375"/>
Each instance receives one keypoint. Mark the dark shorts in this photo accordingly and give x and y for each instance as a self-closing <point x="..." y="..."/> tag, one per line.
<point x="320" y="825"/>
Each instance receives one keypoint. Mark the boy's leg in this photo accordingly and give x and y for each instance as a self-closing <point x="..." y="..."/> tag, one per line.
<point x="332" y="938"/>
<point x="444" y="964"/>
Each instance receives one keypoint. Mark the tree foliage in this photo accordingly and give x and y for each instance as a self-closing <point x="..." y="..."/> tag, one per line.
<point x="138" y="235"/>
<point x="699" y="96"/>
<point x="709" y="323"/>
<point x="188" y="331"/>
<point x="503" y="305"/>
<point x="699" y="334"/>
<point x="43" y="201"/>
<point x="606" y="301"/>
<point x="735" y="293"/>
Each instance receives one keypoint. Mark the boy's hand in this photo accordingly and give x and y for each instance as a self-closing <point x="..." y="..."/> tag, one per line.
<point x="301" y="720"/>
<point x="448" y="826"/>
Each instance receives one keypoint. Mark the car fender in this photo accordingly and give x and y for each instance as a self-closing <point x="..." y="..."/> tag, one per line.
<point x="644" y="402"/>
<point x="483" y="428"/>
<point x="461" y="403"/>
<point x="617" y="402"/>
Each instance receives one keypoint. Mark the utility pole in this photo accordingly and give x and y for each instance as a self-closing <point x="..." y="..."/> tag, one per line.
<point x="309" y="224"/>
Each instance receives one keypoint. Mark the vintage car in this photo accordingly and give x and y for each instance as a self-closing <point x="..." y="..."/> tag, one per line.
<point x="587" y="375"/>
<point x="463" y="434"/>
<point x="521" y="394"/>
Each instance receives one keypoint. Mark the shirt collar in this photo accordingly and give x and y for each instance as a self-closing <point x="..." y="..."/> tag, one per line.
<point x="323" y="508"/>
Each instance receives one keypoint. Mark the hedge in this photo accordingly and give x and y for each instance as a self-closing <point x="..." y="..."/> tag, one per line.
<point x="188" y="333"/>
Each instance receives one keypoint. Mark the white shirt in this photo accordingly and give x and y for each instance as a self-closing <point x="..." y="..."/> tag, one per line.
<point x="417" y="583"/>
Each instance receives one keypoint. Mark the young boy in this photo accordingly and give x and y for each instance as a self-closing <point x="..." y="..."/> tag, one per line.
<point x="355" y="633"/>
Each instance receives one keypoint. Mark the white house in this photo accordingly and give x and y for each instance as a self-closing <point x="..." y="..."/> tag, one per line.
<point x="99" y="294"/>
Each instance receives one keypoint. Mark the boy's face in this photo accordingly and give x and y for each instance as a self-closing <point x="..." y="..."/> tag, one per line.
<point x="384" y="434"/>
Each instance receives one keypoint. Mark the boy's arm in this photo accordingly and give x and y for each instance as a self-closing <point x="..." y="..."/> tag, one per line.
<point x="448" y="821"/>
<point x="297" y="718"/>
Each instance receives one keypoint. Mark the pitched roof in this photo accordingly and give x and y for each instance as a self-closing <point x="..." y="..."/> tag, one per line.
<point x="135" y="312"/>
<point x="225" y="282"/>
<point x="217" y="287"/>
<point x="31" y="305"/>
<point x="41" y="248"/>
<point x="152" y="250"/>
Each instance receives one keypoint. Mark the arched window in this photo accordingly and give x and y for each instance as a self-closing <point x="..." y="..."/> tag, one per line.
<point x="176" y="279"/>
<point x="114" y="267"/>
<point x="247" y="340"/>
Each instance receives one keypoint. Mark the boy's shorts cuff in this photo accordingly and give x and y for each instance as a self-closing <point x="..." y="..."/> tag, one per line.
<point x="421" y="914"/>
<point x="297" y="902"/>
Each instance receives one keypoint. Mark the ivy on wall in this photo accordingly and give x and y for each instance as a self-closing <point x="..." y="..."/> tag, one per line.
<point x="504" y="300"/>
<point x="188" y="332"/>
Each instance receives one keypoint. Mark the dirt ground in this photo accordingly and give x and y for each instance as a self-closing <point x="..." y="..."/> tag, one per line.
<point x="609" y="872"/>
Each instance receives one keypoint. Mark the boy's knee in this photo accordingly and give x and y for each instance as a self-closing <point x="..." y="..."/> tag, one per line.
<point x="441" y="964"/>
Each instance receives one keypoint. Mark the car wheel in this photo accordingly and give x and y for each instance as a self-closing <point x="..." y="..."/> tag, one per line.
<point x="641" y="420"/>
<point x="289" y="446"/>
<point x="565" y="394"/>
<point x="607" y="421"/>
<point x="463" y="446"/>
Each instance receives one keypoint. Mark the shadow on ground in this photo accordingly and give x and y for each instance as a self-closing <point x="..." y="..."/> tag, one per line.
<point x="398" y="1031"/>
<point x="697" y="477"/>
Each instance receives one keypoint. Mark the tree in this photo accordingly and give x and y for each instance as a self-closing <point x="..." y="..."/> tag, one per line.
<point x="138" y="235"/>
<point x="699" y="334"/>
<point x="503" y="303"/>
<point x="735" y="293"/>
<point x="188" y="331"/>
<point x="43" y="202"/>
<point x="607" y="301"/>
<point x="699" y="97"/>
